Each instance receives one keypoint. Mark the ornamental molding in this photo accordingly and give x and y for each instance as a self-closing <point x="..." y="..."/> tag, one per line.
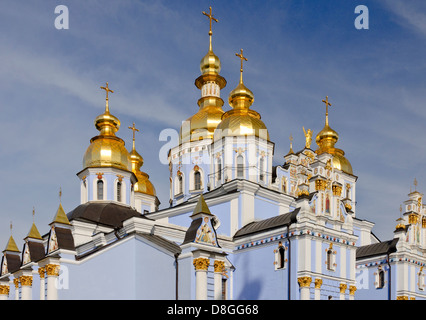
<point x="52" y="270"/>
<point x="4" y="290"/>
<point x="26" y="280"/>
<point x="304" y="282"/>
<point x="219" y="266"/>
<point x="201" y="264"/>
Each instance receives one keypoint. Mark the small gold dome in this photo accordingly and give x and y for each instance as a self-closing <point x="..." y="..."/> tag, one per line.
<point x="143" y="185"/>
<point x="107" y="150"/>
<point x="326" y="139"/>
<point x="241" y="120"/>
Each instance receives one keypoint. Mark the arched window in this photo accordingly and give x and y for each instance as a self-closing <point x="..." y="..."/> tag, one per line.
<point x="284" y="185"/>
<point x="261" y="169"/>
<point x="329" y="259"/>
<point x="180" y="185"/>
<point x="240" y="166"/>
<point x="279" y="257"/>
<point x="119" y="191"/>
<point x="381" y="279"/>
<point x="197" y="180"/>
<point x="219" y="169"/>
<point x="100" y="186"/>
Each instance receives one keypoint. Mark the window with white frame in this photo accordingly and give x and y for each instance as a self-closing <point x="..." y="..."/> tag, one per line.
<point x="100" y="190"/>
<point x="197" y="180"/>
<point x="240" y="166"/>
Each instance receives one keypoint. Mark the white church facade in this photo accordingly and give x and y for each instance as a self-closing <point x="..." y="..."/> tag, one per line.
<point x="238" y="228"/>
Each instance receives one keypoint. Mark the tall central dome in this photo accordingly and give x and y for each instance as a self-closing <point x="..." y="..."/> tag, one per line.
<point x="106" y="149"/>
<point x="202" y="124"/>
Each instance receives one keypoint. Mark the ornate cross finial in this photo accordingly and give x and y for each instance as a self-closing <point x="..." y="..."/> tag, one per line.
<point x="33" y="213"/>
<point x="242" y="58"/>
<point x="11" y="227"/>
<point x="415" y="184"/>
<point x="133" y="128"/>
<point x="107" y="90"/>
<point x="291" y="143"/>
<point x="60" y="194"/>
<point x="211" y="18"/>
<point x="327" y="104"/>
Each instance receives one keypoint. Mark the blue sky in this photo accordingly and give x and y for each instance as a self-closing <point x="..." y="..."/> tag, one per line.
<point x="149" y="51"/>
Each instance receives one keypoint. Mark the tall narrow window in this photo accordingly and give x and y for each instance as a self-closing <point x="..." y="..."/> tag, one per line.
<point x="240" y="166"/>
<point x="381" y="279"/>
<point x="219" y="169"/>
<point x="197" y="180"/>
<point x="180" y="185"/>
<point x="330" y="259"/>
<point x="261" y="165"/>
<point x="119" y="191"/>
<point x="279" y="256"/>
<point x="100" y="185"/>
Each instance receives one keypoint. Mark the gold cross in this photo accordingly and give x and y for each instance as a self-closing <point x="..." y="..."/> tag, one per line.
<point x="326" y="105"/>
<point x="60" y="194"/>
<point x="133" y="128"/>
<point x="107" y="90"/>
<point x="211" y="18"/>
<point x="241" y="56"/>
<point x="33" y="213"/>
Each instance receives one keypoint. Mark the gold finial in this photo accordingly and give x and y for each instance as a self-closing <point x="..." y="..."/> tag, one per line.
<point x="291" y="143"/>
<point x="107" y="89"/>
<point x="133" y="128"/>
<point x="60" y="194"/>
<point x="242" y="58"/>
<point x="33" y="213"/>
<point x="211" y="18"/>
<point x="415" y="184"/>
<point x="11" y="228"/>
<point x="327" y="104"/>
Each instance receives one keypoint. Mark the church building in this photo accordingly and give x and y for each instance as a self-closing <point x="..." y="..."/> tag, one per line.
<point x="237" y="227"/>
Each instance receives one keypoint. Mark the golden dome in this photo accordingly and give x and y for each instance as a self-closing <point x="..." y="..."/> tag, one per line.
<point x="107" y="150"/>
<point x="203" y="124"/>
<point x="326" y="139"/>
<point x="241" y="120"/>
<point x="143" y="185"/>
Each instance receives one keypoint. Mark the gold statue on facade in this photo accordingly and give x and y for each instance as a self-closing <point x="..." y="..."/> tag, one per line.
<point x="308" y="137"/>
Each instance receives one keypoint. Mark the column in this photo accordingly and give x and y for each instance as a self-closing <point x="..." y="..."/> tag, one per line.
<point x="4" y="291"/>
<point x="26" y="287"/>
<point x="219" y="267"/>
<point x="201" y="266"/>
<point x="318" y="284"/>
<point x="41" y="272"/>
<point x="52" y="272"/>
<point x="304" y="283"/>
<point x="342" y="288"/>
<point x="16" y="283"/>
<point x="352" y="290"/>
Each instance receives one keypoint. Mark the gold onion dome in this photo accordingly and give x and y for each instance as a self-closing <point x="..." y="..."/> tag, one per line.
<point x="106" y="149"/>
<point x="241" y="120"/>
<point x="143" y="185"/>
<point x="326" y="139"/>
<point x="203" y="124"/>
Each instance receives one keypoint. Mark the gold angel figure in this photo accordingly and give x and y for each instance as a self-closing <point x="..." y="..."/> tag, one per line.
<point x="308" y="136"/>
